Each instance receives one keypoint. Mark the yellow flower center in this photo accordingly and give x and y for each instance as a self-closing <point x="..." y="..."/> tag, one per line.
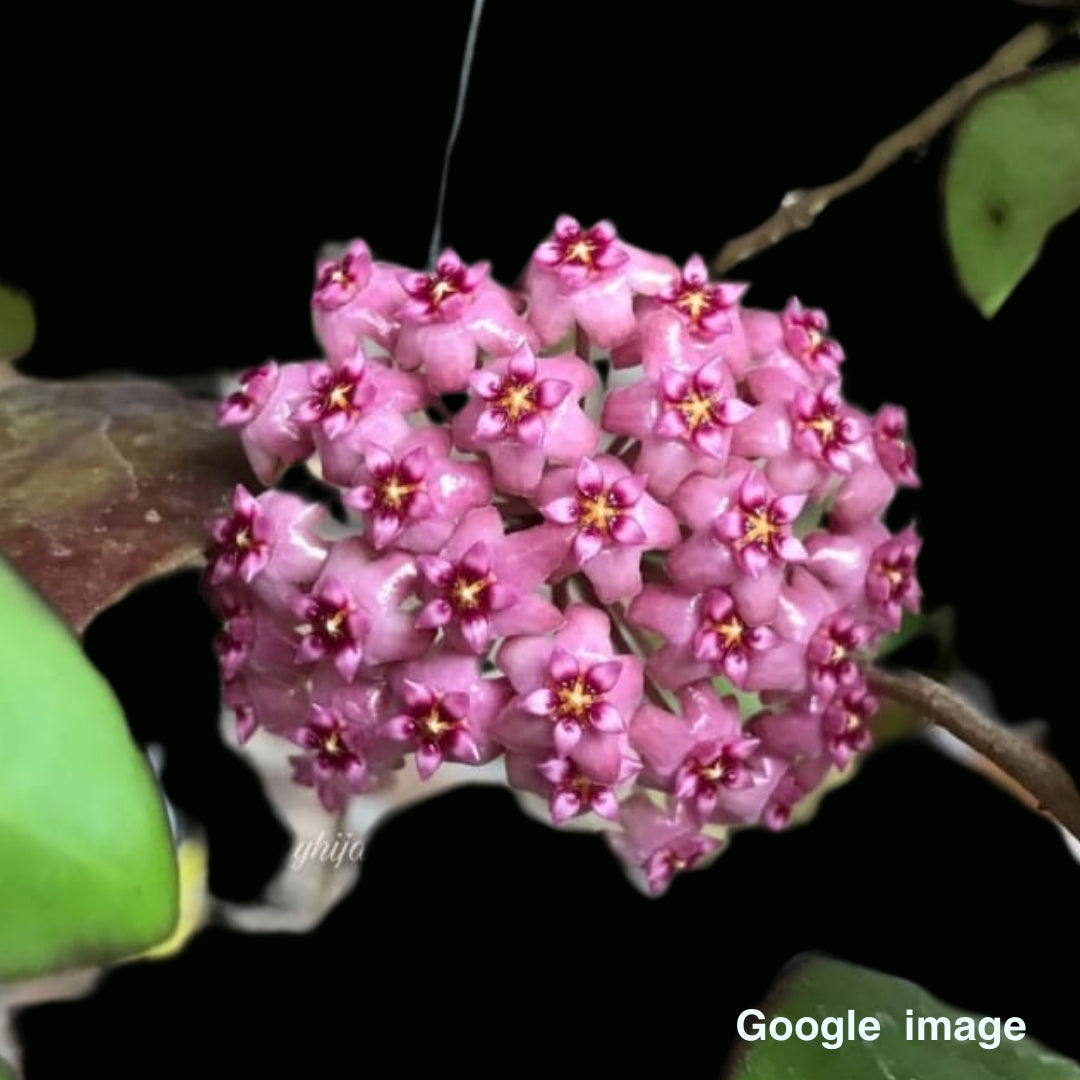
<point x="599" y="512"/>
<point x="759" y="529"/>
<point x="434" y="723"/>
<point x="574" y="699"/>
<point x="394" y="492"/>
<point x="695" y="303"/>
<point x="730" y="631"/>
<point x="467" y="593"/>
<point x="440" y="289"/>
<point x="517" y="400"/>
<point x="697" y="409"/>
<point x="581" y="251"/>
<point x="713" y="772"/>
<point x="825" y="426"/>
<point x="340" y="397"/>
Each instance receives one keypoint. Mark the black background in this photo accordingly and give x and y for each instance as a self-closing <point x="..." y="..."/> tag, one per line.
<point x="166" y="183"/>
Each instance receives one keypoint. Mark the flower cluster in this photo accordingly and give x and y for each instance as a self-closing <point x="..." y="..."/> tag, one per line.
<point x="582" y="516"/>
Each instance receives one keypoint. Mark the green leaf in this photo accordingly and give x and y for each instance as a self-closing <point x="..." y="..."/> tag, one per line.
<point x="6" y="1072"/>
<point x="819" y="987"/>
<point x="17" y="327"/>
<point x="86" y="856"/>
<point x="1013" y="173"/>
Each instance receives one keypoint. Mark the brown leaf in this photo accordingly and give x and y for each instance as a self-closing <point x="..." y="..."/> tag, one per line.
<point x="105" y="485"/>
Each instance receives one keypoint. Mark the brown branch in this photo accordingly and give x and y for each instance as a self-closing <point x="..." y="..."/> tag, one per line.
<point x="798" y="209"/>
<point x="1051" y="787"/>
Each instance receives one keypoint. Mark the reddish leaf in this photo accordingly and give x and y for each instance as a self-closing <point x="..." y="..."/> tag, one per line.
<point x="105" y="485"/>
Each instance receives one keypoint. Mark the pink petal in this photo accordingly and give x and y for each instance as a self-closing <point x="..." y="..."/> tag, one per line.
<point x="476" y="562"/>
<point x="671" y="424"/>
<point x="542" y="702"/>
<point x="606" y="718"/>
<point x="487" y="384"/>
<point x="530" y="429"/>
<point x="428" y="758"/>
<point x="476" y="629"/>
<point x="602" y="677"/>
<point x="587" y="543"/>
<point x="347" y="661"/>
<point x="490" y="424"/>
<point x="604" y="803"/>
<point x="567" y="735"/>
<point x="563" y="665"/>
<point x="564" y="511"/>
<point x="360" y="498"/>
<point x="522" y="366"/>
<point x="550" y="392"/>
<point x="435" y="614"/>
<point x="588" y="479"/>
<point x="385" y="526"/>
<point x="628" y="490"/>
<point x="628" y="532"/>
<point x="565" y="805"/>
<point x="437" y="570"/>
<point x="417" y="696"/>
<point x="399" y="728"/>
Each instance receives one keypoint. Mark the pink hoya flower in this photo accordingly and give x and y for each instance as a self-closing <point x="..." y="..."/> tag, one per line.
<point x="758" y="530"/>
<point x="447" y="710"/>
<point x="894" y="452"/>
<point x="703" y="758"/>
<point x="804" y="336"/>
<point x="609" y="521"/>
<point x="450" y="316"/>
<point x="263" y="409"/>
<point x="574" y="694"/>
<point x="269" y="543"/>
<point x="334" y="764"/>
<point x="660" y="842"/>
<point x="708" y="634"/>
<point x="354" y="611"/>
<point x="683" y="422"/>
<point x="570" y="576"/>
<point x="355" y="298"/>
<point x="891" y="586"/>
<point x="706" y="309"/>
<point x="483" y="584"/>
<point x="587" y="277"/>
<point x="524" y="412"/>
<point x="414" y="495"/>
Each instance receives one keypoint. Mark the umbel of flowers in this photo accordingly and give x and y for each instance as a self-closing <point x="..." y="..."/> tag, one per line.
<point x="568" y="564"/>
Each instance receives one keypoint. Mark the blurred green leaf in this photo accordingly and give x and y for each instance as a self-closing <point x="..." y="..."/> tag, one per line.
<point x="1013" y="173"/>
<point x="86" y="857"/>
<point x="6" y="1071"/>
<point x="17" y="325"/>
<point x="819" y="987"/>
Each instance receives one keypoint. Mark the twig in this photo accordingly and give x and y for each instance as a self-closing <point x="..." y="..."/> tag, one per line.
<point x="798" y="209"/>
<point x="1051" y="786"/>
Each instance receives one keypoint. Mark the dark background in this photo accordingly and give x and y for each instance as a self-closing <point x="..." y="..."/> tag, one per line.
<point x="166" y="184"/>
